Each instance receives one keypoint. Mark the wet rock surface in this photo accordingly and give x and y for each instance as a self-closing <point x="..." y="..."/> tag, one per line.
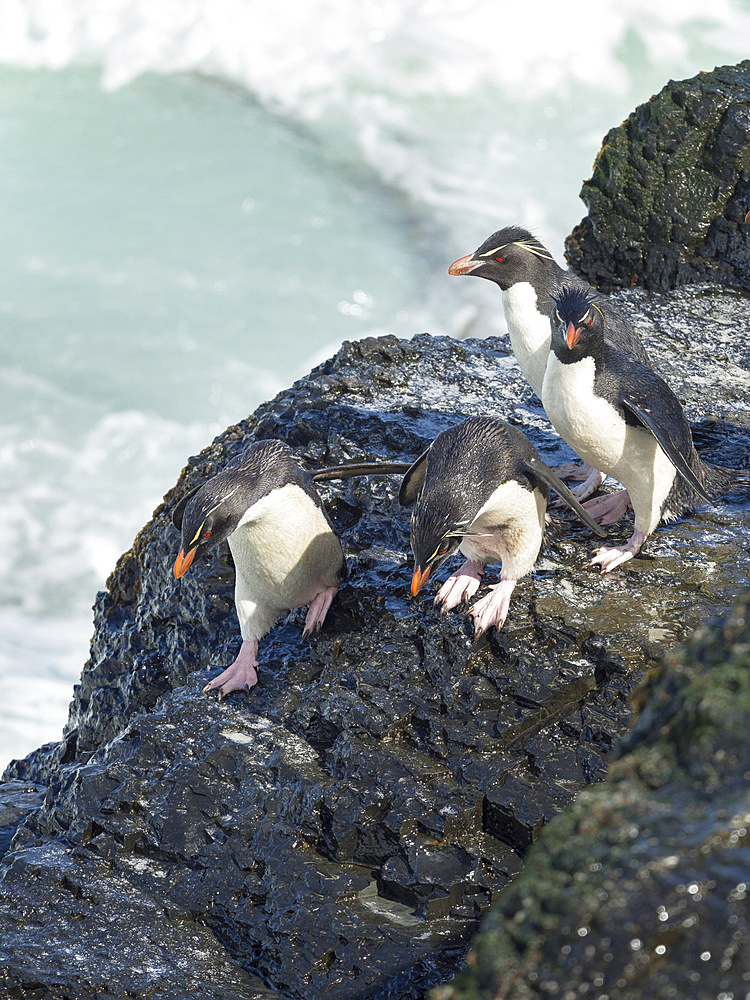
<point x="340" y="830"/>
<point x="640" y="888"/>
<point x="670" y="190"/>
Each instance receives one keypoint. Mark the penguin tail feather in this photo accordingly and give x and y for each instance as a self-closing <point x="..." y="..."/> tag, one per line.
<point x="555" y="528"/>
<point x="720" y="481"/>
<point x="717" y="481"/>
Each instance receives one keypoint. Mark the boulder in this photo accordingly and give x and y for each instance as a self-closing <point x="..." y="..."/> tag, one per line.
<point x="670" y="190"/>
<point x="640" y="888"/>
<point x="340" y="829"/>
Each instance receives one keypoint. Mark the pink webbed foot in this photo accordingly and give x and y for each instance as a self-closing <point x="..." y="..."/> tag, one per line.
<point x="460" y="586"/>
<point x="609" y="508"/>
<point x="241" y="675"/>
<point x="316" y="613"/>
<point x="590" y="480"/>
<point x="591" y="483"/>
<point x="608" y="558"/>
<point x="572" y="470"/>
<point x="492" y="609"/>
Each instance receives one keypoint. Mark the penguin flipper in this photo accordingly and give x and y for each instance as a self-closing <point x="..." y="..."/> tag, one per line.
<point x="537" y="468"/>
<point x="361" y="469"/>
<point x="413" y="482"/>
<point x="179" y="509"/>
<point x="658" y="423"/>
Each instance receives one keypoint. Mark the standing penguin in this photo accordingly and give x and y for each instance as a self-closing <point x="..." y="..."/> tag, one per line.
<point x="481" y="489"/>
<point x="285" y="551"/>
<point x="621" y="417"/>
<point x="527" y="274"/>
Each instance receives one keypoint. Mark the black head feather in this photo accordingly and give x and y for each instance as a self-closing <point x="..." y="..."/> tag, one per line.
<point x="511" y="255"/>
<point x="212" y="512"/>
<point x="573" y="302"/>
<point x="577" y="322"/>
<point x="512" y="236"/>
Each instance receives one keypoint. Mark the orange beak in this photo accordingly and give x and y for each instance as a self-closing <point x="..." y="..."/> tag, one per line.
<point x="573" y="334"/>
<point x="464" y="266"/>
<point x="183" y="562"/>
<point x="419" y="580"/>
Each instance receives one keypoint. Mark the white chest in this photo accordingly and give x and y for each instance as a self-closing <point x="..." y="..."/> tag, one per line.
<point x="508" y="529"/>
<point x="284" y="554"/>
<point x="529" y="332"/>
<point x="588" y="423"/>
<point x="598" y="433"/>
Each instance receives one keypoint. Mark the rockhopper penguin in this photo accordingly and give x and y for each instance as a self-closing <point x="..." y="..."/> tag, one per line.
<point x="621" y="417"/>
<point x="527" y="273"/>
<point x="285" y="551"/>
<point x="481" y="489"/>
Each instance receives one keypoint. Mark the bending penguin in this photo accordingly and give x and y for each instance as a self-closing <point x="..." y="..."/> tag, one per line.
<point x="621" y="417"/>
<point x="285" y="551"/>
<point x="481" y="489"/>
<point x="527" y="274"/>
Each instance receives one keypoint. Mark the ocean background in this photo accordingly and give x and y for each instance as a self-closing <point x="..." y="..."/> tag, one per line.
<point x="200" y="200"/>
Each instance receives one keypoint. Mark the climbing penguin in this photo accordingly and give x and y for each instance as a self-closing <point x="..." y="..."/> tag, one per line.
<point x="481" y="489"/>
<point x="527" y="273"/>
<point x="621" y="417"/>
<point x="285" y="551"/>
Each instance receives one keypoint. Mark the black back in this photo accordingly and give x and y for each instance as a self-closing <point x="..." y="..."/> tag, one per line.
<point x="458" y="473"/>
<point x="220" y="503"/>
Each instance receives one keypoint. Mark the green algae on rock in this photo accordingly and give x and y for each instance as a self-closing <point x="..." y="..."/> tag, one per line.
<point x="640" y="888"/>
<point x="670" y="190"/>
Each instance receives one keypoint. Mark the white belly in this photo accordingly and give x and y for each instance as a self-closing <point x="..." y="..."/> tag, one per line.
<point x="516" y="545"/>
<point x="529" y="332"/>
<point x="284" y="554"/>
<point x="595" y="430"/>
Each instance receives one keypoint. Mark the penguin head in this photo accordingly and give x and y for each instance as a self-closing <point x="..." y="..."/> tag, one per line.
<point x="508" y="256"/>
<point x="214" y="510"/>
<point x="576" y="321"/>
<point x="435" y="536"/>
<point x="205" y="517"/>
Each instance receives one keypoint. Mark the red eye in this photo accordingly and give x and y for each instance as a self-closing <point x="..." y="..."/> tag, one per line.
<point x="499" y="259"/>
<point x="591" y="320"/>
<point x="206" y="534"/>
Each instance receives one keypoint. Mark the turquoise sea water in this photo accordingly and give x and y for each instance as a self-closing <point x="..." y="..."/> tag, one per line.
<point x="197" y="209"/>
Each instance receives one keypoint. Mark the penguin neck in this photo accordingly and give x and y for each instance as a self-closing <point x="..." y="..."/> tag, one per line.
<point x="592" y="353"/>
<point x="529" y="331"/>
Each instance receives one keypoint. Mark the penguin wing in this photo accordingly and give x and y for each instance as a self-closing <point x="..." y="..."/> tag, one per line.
<point x="179" y="508"/>
<point x="361" y="469"/>
<point x="663" y="416"/>
<point x="537" y="468"/>
<point x="413" y="482"/>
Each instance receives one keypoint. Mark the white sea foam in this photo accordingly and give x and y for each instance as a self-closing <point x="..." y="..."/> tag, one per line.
<point x="310" y="53"/>
<point x="432" y="94"/>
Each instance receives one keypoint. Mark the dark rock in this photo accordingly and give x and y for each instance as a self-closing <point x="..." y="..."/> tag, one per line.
<point x="640" y="888"/>
<point x="670" y="190"/>
<point x="339" y="830"/>
<point x="17" y="800"/>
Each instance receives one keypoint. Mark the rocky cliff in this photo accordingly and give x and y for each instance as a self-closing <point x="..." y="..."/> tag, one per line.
<point x="670" y="190"/>
<point x="340" y="830"/>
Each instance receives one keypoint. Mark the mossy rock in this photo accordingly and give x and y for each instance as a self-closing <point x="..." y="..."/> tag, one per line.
<point x="670" y="190"/>
<point x="640" y="888"/>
